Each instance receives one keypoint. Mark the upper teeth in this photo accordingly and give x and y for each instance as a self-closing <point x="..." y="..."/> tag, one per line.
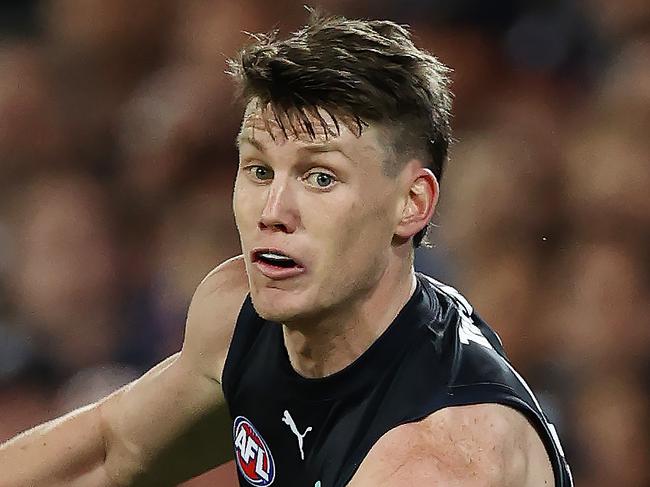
<point x="273" y="256"/>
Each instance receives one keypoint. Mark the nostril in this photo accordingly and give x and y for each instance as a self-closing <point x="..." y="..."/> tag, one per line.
<point x="274" y="226"/>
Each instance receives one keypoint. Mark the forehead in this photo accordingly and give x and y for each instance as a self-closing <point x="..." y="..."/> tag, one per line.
<point x="263" y="126"/>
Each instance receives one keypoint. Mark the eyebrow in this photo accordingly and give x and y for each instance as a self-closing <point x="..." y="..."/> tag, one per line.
<point x="317" y="147"/>
<point x="245" y="139"/>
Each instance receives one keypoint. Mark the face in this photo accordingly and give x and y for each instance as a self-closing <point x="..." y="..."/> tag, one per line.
<point x="326" y="203"/>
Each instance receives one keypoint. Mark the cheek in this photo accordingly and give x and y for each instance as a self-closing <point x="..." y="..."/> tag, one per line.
<point x="337" y="224"/>
<point x="358" y="227"/>
<point x="243" y="205"/>
<point x="370" y="218"/>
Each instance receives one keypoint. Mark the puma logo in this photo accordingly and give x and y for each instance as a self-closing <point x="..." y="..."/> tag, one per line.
<point x="288" y="420"/>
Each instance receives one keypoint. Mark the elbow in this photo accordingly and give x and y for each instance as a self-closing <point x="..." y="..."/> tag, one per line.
<point x="121" y="465"/>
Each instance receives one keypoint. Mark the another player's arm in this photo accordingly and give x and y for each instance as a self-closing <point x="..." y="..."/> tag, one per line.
<point x="485" y="445"/>
<point x="167" y="426"/>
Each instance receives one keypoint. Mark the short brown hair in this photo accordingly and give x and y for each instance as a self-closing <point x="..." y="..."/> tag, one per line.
<point x="359" y="71"/>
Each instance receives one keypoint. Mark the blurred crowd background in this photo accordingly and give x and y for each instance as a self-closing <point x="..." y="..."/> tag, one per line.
<point x="117" y="162"/>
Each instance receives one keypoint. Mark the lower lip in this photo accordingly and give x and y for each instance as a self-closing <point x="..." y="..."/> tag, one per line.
<point x="277" y="273"/>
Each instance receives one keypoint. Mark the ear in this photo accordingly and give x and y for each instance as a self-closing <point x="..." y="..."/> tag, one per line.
<point x="419" y="203"/>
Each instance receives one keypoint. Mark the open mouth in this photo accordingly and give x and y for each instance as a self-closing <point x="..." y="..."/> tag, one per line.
<point x="275" y="258"/>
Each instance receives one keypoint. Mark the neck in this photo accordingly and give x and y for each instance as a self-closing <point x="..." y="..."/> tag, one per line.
<point x="337" y="340"/>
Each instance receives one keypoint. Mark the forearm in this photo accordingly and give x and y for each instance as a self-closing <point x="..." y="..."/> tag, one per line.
<point x="158" y="430"/>
<point x="169" y="431"/>
<point x="74" y="450"/>
<point x="67" y="451"/>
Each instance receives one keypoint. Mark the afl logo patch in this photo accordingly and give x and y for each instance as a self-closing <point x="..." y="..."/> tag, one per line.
<point x="252" y="454"/>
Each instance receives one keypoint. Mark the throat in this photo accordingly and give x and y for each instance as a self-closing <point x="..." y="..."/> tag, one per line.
<point x="316" y="357"/>
<point x="333" y="342"/>
<point x="322" y="348"/>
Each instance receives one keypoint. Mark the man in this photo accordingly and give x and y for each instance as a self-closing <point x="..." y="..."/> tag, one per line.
<point x="338" y="364"/>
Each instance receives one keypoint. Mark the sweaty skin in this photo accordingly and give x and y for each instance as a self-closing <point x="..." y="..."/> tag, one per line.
<point x="328" y="203"/>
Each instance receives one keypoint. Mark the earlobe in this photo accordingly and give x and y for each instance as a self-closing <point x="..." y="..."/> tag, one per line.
<point x="420" y="203"/>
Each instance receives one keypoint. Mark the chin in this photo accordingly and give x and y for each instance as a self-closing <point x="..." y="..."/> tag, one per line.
<point x="278" y="305"/>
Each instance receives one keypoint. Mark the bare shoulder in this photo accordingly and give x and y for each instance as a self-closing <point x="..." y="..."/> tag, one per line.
<point x="479" y="445"/>
<point x="229" y="277"/>
<point x="213" y="313"/>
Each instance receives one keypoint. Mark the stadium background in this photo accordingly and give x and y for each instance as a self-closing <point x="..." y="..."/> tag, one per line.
<point x="117" y="159"/>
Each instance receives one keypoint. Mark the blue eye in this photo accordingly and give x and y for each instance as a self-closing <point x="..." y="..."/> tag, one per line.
<point x="321" y="179"/>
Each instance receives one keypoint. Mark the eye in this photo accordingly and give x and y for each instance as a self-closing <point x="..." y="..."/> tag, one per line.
<point x="260" y="172"/>
<point x="321" y="179"/>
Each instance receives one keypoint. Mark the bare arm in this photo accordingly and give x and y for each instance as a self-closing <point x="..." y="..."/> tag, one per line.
<point x="69" y="450"/>
<point x="37" y="457"/>
<point x="485" y="445"/>
<point x="166" y="427"/>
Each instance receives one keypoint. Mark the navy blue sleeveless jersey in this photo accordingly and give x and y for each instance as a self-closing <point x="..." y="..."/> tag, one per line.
<point x="291" y="431"/>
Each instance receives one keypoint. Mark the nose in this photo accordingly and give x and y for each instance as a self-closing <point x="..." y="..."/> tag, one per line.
<point x="279" y="213"/>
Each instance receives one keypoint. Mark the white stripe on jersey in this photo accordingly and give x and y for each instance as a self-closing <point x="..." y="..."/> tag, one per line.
<point x="466" y="311"/>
